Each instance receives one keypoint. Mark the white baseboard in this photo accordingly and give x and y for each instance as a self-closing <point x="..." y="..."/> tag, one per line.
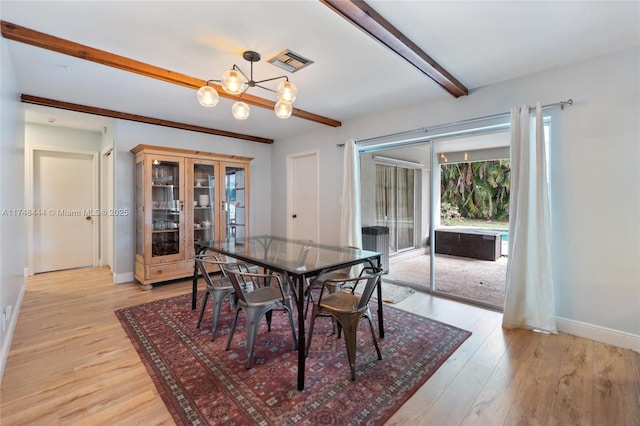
<point x="600" y="334"/>
<point x="6" y="343"/>
<point x="123" y="278"/>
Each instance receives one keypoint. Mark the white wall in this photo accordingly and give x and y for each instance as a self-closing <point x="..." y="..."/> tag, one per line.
<point x="61" y="138"/>
<point x="129" y="134"/>
<point x="594" y="171"/>
<point x="13" y="251"/>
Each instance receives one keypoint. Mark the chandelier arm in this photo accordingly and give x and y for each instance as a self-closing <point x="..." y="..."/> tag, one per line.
<point x="237" y="68"/>
<point x="265" y="88"/>
<point x="215" y="81"/>
<point x="243" y="92"/>
<point x="271" y="79"/>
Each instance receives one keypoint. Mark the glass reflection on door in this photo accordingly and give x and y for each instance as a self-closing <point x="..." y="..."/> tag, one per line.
<point x="165" y="204"/>
<point x="395" y="205"/>
<point x="235" y="192"/>
<point x="203" y="202"/>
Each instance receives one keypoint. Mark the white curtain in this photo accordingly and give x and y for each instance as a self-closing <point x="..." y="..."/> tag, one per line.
<point x="350" y="229"/>
<point x="529" y="301"/>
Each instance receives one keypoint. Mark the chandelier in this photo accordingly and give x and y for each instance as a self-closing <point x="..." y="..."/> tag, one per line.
<point x="235" y="82"/>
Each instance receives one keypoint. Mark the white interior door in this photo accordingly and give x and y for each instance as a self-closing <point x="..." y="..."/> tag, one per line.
<point x="63" y="191"/>
<point x="302" y="223"/>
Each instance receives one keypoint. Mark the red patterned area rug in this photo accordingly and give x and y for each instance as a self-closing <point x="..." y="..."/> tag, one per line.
<point x="202" y="383"/>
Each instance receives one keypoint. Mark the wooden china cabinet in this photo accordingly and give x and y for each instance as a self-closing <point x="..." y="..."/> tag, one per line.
<point x="182" y="196"/>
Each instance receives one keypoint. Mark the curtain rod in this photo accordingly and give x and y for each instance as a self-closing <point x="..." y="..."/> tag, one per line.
<point x="560" y="104"/>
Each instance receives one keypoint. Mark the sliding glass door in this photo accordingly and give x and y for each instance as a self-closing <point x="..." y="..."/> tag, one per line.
<point x="395" y="205"/>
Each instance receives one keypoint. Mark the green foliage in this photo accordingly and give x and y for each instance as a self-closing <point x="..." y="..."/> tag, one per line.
<point x="477" y="190"/>
<point x="450" y="214"/>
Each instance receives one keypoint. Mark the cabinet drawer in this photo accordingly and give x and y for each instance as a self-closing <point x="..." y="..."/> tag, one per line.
<point x="170" y="271"/>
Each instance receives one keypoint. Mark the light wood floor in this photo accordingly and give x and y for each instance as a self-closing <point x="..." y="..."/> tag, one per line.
<point x="71" y="363"/>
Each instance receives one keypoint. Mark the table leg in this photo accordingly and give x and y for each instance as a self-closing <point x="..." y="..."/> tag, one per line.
<point x="380" y="320"/>
<point x="301" y="333"/>
<point x="194" y="291"/>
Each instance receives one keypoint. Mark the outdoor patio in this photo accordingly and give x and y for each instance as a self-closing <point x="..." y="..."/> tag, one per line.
<point x="481" y="280"/>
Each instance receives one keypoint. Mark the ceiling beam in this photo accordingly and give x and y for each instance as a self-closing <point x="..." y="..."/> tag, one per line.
<point x="371" y="22"/>
<point x="45" y="41"/>
<point x="28" y="99"/>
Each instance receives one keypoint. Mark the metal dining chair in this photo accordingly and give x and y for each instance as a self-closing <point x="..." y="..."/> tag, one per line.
<point x="347" y="308"/>
<point x="257" y="298"/>
<point x="219" y="288"/>
<point x="335" y="278"/>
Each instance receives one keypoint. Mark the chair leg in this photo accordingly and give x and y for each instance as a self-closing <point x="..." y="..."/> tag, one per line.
<point x="204" y="304"/>
<point x="314" y="313"/>
<point x="215" y="312"/>
<point x="218" y="299"/>
<point x="350" y="330"/>
<point x="375" y="341"/>
<point x="269" y="315"/>
<point x="289" y="309"/>
<point x="309" y="297"/>
<point x="233" y="329"/>
<point x="253" y="321"/>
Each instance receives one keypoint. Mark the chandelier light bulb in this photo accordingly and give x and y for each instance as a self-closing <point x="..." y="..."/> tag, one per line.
<point x="233" y="82"/>
<point x="240" y="111"/>
<point x="208" y="96"/>
<point x="286" y="92"/>
<point x="283" y="110"/>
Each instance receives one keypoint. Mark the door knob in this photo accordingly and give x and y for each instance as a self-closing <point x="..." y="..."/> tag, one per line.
<point x="294" y="216"/>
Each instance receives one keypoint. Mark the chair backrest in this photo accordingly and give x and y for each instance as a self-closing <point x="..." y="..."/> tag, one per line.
<point x="243" y="280"/>
<point x="369" y="276"/>
<point x="214" y="259"/>
<point x="372" y="278"/>
<point x="201" y="263"/>
<point x="233" y="272"/>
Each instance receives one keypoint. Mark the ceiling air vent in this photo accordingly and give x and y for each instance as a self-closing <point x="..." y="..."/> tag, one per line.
<point x="289" y="61"/>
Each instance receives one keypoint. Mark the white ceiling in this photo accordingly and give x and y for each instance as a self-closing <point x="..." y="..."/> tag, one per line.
<point x="478" y="42"/>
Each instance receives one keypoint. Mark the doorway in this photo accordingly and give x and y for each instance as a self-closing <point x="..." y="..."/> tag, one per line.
<point x="423" y="268"/>
<point x="302" y="196"/>
<point x="64" y="195"/>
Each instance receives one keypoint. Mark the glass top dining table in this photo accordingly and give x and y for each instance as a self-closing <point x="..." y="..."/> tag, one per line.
<point x="296" y="260"/>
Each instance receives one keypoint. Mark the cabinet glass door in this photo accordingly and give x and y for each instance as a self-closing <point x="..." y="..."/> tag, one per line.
<point x="166" y="208"/>
<point x="236" y="197"/>
<point x="203" y="202"/>
<point x="139" y="209"/>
